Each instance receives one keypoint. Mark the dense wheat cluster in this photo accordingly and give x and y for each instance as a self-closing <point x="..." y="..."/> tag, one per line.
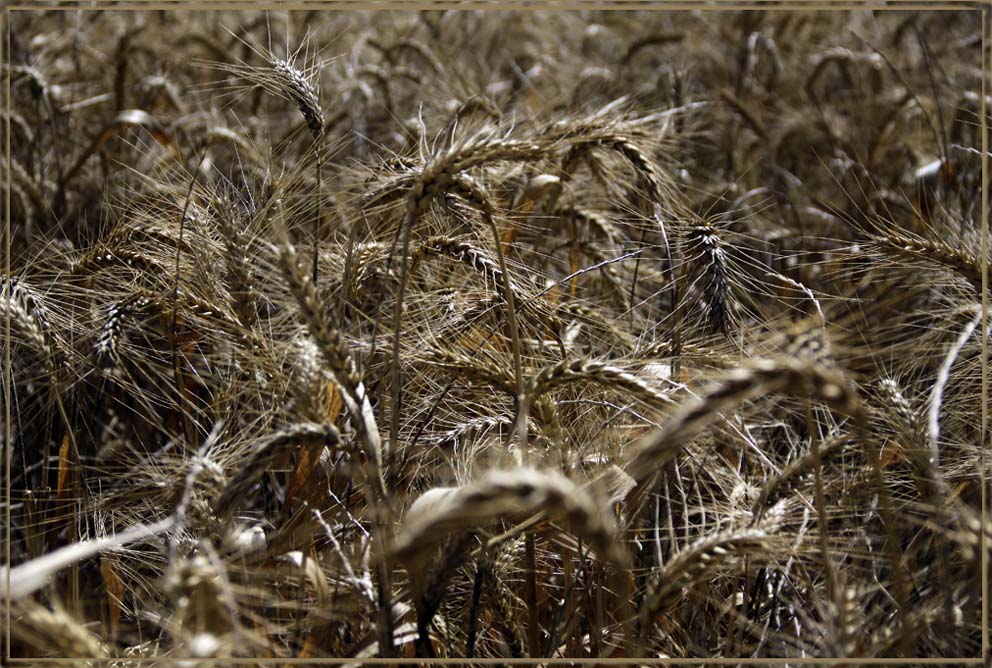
<point x="494" y="334"/>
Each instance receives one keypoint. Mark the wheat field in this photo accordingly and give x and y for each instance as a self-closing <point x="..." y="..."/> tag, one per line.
<point x="494" y="334"/>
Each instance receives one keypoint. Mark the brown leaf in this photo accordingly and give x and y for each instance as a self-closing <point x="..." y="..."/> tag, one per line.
<point x="65" y="464"/>
<point x="115" y="592"/>
<point x="333" y="402"/>
<point x="310" y="455"/>
<point x="305" y="464"/>
<point x="892" y="455"/>
<point x="573" y="269"/>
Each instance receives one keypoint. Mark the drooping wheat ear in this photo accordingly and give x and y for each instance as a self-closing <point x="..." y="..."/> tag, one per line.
<point x="798" y="472"/>
<point x="20" y="179"/>
<point x="931" y="251"/>
<point x="472" y="429"/>
<point x="364" y="259"/>
<point x="54" y="631"/>
<point x="144" y="229"/>
<point x="416" y="47"/>
<point x="475" y="192"/>
<point x="475" y="369"/>
<point x="758" y="377"/>
<point x="594" y="220"/>
<point x="28" y="210"/>
<point x="17" y="120"/>
<point x="106" y="350"/>
<point x="704" y="239"/>
<point x="267" y="451"/>
<point x="440" y="172"/>
<point x="696" y="562"/>
<point x="37" y="80"/>
<point x="582" y="152"/>
<point x="747" y="114"/>
<point x="641" y="162"/>
<point x="502" y="493"/>
<point x="335" y="352"/>
<point x="654" y="39"/>
<point x="584" y="313"/>
<point x="103" y="257"/>
<point x="844" y="58"/>
<point x="28" y="316"/>
<point x="300" y="89"/>
<point x="419" y="187"/>
<point x="472" y="190"/>
<point x="628" y="148"/>
<point x="467" y="254"/>
<point x="382" y="79"/>
<point x="569" y="371"/>
<point x="437" y="176"/>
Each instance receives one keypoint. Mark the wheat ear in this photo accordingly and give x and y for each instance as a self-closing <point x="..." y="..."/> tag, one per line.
<point x="267" y="451"/>
<point x="501" y="493"/>
<point x="957" y="260"/>
<point x="28" y="316"/>
<point x="297" y="87"/>
<point x="705" y="238"/>
<point x="474" y="369"/>
<point x="438" y="175"/>
<point x="691" y="564"/>
<point x="606" y="375"/>
<point x="106" y="350"/>
<point x="798" y="472"/>
<point x="467" y="254"/>
<point x="335" y="351"/>
<point x="758" y="377"/>
<point x="47" y="630"/>
<point x="240" y="276"/>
